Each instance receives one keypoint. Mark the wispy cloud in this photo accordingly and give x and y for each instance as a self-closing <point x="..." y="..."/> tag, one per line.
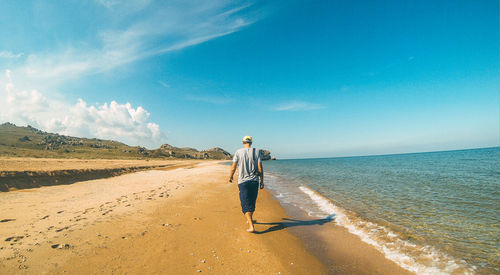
<point x="10" y="55"/>
<point x="135" y="30"/>
<point x="159" y="28"/>
<point x="108" y="3"/>
<point x="163" y="84"/>
<point x="129" y="5"/>
<point x="298" y="106"/>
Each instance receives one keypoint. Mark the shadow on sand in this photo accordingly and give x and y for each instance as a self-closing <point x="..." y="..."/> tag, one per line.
<point x="291" y="223"/>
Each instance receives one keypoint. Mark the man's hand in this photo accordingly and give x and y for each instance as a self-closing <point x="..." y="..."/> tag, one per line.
<point x="233" y="169"/>
<point x="261" y="184"/>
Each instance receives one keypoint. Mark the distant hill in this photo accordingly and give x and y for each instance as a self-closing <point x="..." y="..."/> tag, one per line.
<point x="27" y="141"/>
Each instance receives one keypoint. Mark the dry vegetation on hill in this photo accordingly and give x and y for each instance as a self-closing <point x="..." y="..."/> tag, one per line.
<point x="27" y="141"/>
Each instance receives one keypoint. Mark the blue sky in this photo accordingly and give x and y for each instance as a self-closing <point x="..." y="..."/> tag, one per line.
<point x="305" y="78"/>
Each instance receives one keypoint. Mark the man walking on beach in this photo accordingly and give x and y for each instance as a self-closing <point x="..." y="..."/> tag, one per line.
<point x="249" y="165"/>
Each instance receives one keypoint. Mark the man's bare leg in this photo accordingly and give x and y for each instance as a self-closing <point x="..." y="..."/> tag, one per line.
<point x="249" y="216"/>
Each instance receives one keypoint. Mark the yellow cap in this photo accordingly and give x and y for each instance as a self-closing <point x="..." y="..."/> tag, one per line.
<point x="247" y="139"/>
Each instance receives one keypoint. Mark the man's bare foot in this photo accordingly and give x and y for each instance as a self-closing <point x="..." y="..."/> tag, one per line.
<point x="251" y="229"/>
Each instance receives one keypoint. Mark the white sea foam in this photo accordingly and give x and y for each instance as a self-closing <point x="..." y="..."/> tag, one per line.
<point x="396" y="250"/>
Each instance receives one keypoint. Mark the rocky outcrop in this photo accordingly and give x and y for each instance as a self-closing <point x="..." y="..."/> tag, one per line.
<point x="266" y="155"/>
<point x="167" y="147"/>
<point x="192" y="153"/>
<point x="218" y="153"/>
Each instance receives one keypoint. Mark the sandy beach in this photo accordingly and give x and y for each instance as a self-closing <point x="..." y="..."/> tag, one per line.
<point x="26" y="173"/>
<point x="51" y="164"/>
<point x="178" y="221"/>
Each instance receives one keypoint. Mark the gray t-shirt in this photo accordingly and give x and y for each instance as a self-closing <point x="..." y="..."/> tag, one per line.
<point x="247" y="161"/>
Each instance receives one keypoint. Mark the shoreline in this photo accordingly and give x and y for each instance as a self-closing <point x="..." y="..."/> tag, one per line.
<point x="340" y="250"/>
<point x="177" y="221"/>
<point x="349" y="224"/>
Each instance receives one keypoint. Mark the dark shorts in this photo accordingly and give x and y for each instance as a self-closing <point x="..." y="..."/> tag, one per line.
<point x="248" y="195"/>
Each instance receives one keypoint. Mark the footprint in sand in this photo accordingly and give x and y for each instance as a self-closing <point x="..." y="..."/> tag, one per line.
<point x="7" y="220"/>
<point x="61" y="246"/>
<point x="61" y="229"/>
<point x="44" y="217"/>
<point x="14" y="239"/>
<point x="87" y="210"/>
<point x="107" y="212"/>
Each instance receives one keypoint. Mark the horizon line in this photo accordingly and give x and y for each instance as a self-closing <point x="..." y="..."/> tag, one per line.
<point x="392" y="154"/>
<point x="352" y="156"/>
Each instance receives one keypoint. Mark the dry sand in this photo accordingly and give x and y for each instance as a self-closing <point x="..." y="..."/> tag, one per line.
<point x="156" y="222"/>
<point x="181" y="221"/>
<point x="51" y="164"/>
<point x="25" y="173"/>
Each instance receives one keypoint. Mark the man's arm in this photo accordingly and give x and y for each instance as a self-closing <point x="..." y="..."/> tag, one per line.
<point x="261" y="172"/>
<point x="233" y="169"/>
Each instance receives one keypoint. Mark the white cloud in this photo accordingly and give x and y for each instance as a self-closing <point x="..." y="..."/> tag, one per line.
<point x="10" y="55"/>
<point x="298" y="106"/>
<point x="115" y="121"/>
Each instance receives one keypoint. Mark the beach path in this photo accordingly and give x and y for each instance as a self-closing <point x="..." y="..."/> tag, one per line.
<point x="180" y="221"/>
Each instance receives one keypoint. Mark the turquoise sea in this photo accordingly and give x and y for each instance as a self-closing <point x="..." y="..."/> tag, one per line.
<point x="431" y="213"/>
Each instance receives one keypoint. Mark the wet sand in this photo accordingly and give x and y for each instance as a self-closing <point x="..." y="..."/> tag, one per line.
<point x="185" y="220"/>
<point x="341" y="251"/>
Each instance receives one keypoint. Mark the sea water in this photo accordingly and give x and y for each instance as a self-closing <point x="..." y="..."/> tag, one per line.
<point x="431" y="213"/>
